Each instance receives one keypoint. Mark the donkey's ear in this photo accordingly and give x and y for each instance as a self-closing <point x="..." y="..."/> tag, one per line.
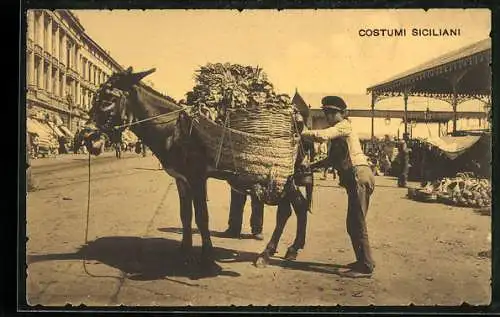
<point x="137" y="77"/>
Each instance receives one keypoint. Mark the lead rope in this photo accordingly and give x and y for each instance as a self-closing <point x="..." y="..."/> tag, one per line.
<point x="84" y="260"/>
<point x="123" y="274"/>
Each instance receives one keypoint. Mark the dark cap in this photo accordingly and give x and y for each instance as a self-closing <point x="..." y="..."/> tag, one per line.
<point x="333" y="103"/>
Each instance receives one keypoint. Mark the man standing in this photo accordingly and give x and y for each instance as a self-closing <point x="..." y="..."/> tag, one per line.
<point x="30" y="184"/>
<point x="238" y="201"/>
<point x="404" y="163"/>
<point x="356" y="177"/>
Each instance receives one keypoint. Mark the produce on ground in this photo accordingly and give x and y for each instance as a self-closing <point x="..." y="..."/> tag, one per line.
<point x="462" y="190"/>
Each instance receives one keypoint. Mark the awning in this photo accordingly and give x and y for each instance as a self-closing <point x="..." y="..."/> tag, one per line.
<point x="453" y="146"/>
<point x="56" y="130"/>
<point x="66" y="131"/>
<point x="33" y="128"/>
<point x="46" y="136"/>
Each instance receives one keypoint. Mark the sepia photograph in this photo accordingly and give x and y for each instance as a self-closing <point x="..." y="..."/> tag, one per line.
<point x="258" y="157"/>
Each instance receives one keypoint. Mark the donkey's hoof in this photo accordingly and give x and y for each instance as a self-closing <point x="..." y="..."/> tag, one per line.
<point x="291" y="254"/>
<point x="261" y="261"/>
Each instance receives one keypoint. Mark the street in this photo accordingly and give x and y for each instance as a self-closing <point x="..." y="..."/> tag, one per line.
<point x="425" y="253"/>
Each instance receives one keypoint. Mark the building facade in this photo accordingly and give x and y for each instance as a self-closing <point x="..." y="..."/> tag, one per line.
<point x="64" y="67"/>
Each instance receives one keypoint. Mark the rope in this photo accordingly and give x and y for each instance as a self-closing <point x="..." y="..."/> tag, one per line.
<point x="231" y="146"/>
<point x="126" y="125"/>
<point x="219" y="152"/>
<point x="84" y="260"/>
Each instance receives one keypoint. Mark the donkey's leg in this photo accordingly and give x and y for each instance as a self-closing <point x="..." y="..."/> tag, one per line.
<point x="201" y="216"/>
<point x="300" y="206"/>
<point x="282" y="214"/>
<point x="186" y="212"/>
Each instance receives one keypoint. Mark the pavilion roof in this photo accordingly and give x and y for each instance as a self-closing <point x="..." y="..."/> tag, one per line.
<point x="433" y="78"/>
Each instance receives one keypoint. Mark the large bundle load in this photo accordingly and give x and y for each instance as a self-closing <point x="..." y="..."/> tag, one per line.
<point x="247" y="128"/>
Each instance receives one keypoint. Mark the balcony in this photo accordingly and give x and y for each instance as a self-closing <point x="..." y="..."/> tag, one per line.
<point x="55" y="62"/>
<point x="38" y="50"/>
<point x="29" y="44"/>
<point x="42" y="95"/>
<point x="72" y="73"/>
<point x="47" y="56"/>
<point x="62" y="67"/>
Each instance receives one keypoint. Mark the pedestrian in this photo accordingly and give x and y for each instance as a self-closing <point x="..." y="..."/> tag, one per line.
<point x="36" y="145"/>
<point x="62" y="145"/>
<point x="236" y="209"/>
<point x="347" y="157"/>
<point x="404" y="163"/>
<point x="30" y="183"/>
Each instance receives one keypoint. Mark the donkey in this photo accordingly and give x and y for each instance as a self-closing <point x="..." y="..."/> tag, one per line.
<point x="166" y="129"/>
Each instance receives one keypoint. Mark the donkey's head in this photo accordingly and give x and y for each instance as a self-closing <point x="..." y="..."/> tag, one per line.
<point x="109" y="107"/>
<point x="110" y="103"/>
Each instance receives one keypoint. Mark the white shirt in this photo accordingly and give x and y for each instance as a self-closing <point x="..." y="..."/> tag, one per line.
<point x="343" y="129"/>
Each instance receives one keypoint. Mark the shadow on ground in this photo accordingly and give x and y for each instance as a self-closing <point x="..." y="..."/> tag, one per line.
<point x="148" y="169"/>
<point x="150" y="258"/>
<point x="217" y="234"/>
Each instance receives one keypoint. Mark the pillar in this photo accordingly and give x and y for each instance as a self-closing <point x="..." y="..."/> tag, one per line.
<point x="373" y="115"/>
<point x="405" y="99"/>
<point x="454" y="106"/>
<point x="77" y="58"/>
<point x="57" y="88"/>
<point x="48" y="88"/>
<point x="64" y="46"/>
<point x="30" y="17"/>
<point x="39" y="64"/>
<point x="40" y="22"/>
<point x="63" y="83"/>
<point x="57" y="43"/>
<point x="48" y="46"/>
<point x="77" y="93"/>
<point x="31" y="69"/>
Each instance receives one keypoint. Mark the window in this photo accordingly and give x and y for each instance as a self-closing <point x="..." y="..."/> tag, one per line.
<point x="54" y="82"/>
<point x="61" y="92"/>
<point x="46" y="77"/>
<point x="68" y="54"/>
<point x="37" y="73"/>
<point x="61" y="50"/>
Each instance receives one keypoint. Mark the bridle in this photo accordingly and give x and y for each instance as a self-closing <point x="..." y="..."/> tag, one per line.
<point x="114" y="107"/>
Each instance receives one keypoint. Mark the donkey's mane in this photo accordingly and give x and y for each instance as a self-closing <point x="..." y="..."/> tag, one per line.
<point x="155" y="98"/>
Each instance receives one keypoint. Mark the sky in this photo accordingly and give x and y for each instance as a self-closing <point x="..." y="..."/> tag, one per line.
<point x="308" y="50"/>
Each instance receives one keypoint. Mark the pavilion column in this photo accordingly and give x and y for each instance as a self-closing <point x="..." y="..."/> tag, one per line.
<point x="455" y="80"/>
<point x="373" y="115"/>
<point x="454" y="106"/>
<point x="405" y="98"/>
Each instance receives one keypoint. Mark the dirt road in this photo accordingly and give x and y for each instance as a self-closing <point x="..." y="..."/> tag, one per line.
<point x="425" y="253"/>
